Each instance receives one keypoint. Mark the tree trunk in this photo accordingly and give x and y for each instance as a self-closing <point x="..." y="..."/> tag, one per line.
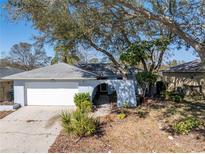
<point x="202" y="54"/>
<point x="110" y="56"/>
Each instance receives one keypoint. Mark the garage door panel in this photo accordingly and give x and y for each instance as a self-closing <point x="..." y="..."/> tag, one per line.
<point x="51" y="93"/>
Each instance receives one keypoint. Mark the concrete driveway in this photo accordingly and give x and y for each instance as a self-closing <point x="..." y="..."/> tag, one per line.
<point x="30" y="129"/>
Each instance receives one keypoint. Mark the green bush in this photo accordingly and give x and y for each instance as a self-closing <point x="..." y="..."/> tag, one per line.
<point x="146" y="80"/>
<point x="121" y="116"/>
<point x="86" y="106"/>
<point x="177" y="98"/>
<point x="66" y="121"/>
<point x="81" y="97"/>
<point x="184" y="126"/>
<point x="78" y="123"/>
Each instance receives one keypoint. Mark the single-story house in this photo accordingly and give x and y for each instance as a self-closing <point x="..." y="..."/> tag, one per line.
<point x="6" y="86"/>
<point x="190" y="75"/>
<point x="57" y="84"/>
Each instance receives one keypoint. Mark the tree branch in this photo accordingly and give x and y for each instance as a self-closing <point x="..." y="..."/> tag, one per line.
<point x="110" y="56"/>
<point x="199" y="47"/>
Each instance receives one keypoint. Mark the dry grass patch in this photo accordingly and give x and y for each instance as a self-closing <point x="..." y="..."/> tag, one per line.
<point x="145" y="129"/>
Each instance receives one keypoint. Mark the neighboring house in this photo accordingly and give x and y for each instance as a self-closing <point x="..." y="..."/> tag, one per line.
<point x="57" y="84"/>
<point x="6" y="87"/>
<point x="190" y="75"/>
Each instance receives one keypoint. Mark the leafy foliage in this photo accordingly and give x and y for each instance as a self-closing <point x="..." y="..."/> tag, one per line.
<point x="176" y="98"/>
<point x="186" y="125"/>
<point x="146" y="79"/>
<point x="86" y="106"/>
<point x="175" y="16"/>
<point x="65" y="54"/>
<point x="78" y="123"/>
<point x="121" y="116"/>
<point x="149" y="53"/>
<point x="111" y="26"/>
<point x="81" y="97"/>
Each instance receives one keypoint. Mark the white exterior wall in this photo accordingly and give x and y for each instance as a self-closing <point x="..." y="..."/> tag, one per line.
<point x="19" y="95"/>
<point x="125" y="90"/>
<point x="62" y="92"/>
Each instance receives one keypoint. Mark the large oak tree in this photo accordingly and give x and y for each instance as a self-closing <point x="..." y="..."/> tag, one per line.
<point x="92" y="24"/>
<point x="111" y="26"/>
<point x="185" y="18"/>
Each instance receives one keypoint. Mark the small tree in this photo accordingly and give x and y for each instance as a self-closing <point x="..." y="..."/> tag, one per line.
<point x="146" y="81"/>
<point x="148" y="53"/>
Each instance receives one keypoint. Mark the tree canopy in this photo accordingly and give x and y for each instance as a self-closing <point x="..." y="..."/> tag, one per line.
<point x="149" y="53"/>
<point x="63" y="54"/>
<point x="111" y="26"/>
<point x="184" y="18"/>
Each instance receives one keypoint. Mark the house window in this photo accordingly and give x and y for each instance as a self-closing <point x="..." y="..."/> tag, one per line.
<point x="103" y="87"/>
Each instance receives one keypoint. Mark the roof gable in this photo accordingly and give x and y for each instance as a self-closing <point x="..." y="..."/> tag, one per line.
<point x="189" y="67"/>
<point x="59" y="71"/>
<point x="5" y="71"/>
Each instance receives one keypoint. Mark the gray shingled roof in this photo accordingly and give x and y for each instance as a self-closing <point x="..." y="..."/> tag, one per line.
<point x="6" y="71"/>
<point x="189" y="67"/>
<point x="102" y="69"/>
<point x="59" y="71"/>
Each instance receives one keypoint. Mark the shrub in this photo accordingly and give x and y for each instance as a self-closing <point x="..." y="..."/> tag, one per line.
<point x="81" y="97"/>
<point x="121" y="116"/>
<point x="78" y="123"/>
<point x="184" y="126"/>
<point x="146" y="80"/>
<point x="66" y="121"/>
<point x="177" y="98"/>
<point x="86" y="106"/>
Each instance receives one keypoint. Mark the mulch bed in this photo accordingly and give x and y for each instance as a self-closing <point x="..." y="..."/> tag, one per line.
<point x="66" y="144"/>
<point x="6" y="103"/>
<point x="4" y="114"/>
<point x="141" y="131"/>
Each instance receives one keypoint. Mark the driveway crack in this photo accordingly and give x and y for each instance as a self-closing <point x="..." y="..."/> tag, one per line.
<point x="28" y="133"/>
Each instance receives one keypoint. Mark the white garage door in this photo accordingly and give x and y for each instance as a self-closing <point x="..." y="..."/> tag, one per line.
<point x="51" y="93"/>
